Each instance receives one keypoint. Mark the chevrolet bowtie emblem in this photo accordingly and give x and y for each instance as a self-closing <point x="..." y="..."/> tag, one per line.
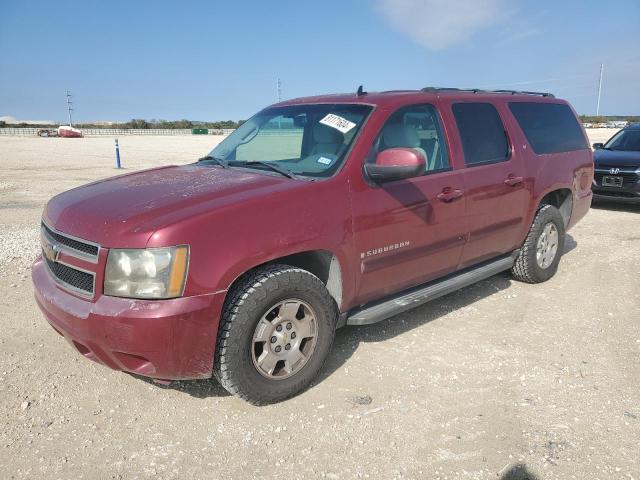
<point x="50" y="251"/>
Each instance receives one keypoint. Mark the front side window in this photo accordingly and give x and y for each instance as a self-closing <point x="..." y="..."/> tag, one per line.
<point x="309" y="140"/>
<point x="482" y="133"/>
<point x="417" y="127"/>
<point x="549" y="127"/>
<point x="625" y="140"/>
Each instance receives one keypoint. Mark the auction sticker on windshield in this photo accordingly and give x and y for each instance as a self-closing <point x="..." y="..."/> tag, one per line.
<point x="336" y="121"/>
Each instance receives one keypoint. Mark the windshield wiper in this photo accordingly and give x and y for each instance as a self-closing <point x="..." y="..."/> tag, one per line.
<point x="216" y="160"/>
<point x="276" y="168"/>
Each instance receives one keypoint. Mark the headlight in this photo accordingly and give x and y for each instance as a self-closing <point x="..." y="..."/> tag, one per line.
<point x="146" y="273"/>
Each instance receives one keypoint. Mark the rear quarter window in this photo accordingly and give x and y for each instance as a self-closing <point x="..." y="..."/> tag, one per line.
<point x="549" y="127"/>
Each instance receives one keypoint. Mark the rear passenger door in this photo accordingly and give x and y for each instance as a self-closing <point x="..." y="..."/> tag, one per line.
<point x="496" y="197"/>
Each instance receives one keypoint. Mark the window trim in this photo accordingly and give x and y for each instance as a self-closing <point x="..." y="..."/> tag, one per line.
<point x="509" y="156"/>
<point x="439" y="127"/>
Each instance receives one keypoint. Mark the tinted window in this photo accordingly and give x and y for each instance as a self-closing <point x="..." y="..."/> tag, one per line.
<point x="482" y="133"/>
<point x="549" y="127"/>
<point x="417" y="127"/>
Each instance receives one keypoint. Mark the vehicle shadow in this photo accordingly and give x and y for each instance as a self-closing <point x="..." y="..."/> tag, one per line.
<point x="569" y="244"/>
<point x="205" y="388"/>
<point x="349" y="338"/>
<point x="618" y="205"/>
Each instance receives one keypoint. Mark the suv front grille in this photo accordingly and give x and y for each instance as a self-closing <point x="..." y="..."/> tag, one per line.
<point x="629" y="174"/>
<point x="84" y="247"/>
<point x="64" y="270"/>
<point x="72" y="278"/>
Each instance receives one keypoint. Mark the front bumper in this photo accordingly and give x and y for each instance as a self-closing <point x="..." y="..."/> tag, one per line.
<point x="166" y="339"/>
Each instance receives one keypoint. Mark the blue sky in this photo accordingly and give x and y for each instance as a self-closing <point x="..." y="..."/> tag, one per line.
<point x="206" y="60"/>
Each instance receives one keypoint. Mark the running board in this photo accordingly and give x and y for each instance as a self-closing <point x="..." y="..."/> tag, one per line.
<point x="415" y="297"/>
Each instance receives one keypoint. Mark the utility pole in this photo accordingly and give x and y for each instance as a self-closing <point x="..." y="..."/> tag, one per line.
<point x="69" y="103"/>
<point x="599" y="90"/>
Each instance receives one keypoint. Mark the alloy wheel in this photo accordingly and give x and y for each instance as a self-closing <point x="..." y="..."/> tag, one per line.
<point x="284" y="339"/>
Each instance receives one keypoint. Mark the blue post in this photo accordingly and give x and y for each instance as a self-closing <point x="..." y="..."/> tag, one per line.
<point x="117" y="155"/>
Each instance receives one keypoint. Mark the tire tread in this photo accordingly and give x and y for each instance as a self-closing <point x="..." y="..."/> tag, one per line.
<point x="524" y="268"/>
<point x="235" y="316"/>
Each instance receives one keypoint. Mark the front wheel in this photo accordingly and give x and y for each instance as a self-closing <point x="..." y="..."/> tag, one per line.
<point x="276" y="332"/>
<point x="540" y="254"/>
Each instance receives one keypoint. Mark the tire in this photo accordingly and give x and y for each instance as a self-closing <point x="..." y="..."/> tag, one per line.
<point x="528" y="267"/>
<point x="266" y="296"/>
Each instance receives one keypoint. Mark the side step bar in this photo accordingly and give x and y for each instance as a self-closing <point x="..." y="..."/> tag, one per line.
<point x="415" y="297"/>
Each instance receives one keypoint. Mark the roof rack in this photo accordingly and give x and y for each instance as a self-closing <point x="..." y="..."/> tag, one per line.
<point x="479" y="90"/>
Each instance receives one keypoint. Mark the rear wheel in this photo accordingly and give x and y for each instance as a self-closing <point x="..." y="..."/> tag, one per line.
<point x="276" y="332"/>
<point x="540" y="254"/>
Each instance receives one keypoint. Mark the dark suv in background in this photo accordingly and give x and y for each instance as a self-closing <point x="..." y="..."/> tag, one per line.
<point x="617" y="165"/>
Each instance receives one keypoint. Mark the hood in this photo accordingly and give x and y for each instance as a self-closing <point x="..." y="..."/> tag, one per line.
<point x="127" y="209"/>
<point x="616" y="158"/>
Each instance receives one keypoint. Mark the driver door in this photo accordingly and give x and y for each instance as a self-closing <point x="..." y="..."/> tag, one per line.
<point x="406" y="231"/>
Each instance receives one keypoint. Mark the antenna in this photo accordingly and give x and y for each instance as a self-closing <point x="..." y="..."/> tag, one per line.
<point x="599" y="90"/>
<point x="69" y="103"/>
<point x="279" y="92"/>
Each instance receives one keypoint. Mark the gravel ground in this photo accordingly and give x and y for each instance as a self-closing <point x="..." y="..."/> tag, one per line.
<point x="499" y="380"/>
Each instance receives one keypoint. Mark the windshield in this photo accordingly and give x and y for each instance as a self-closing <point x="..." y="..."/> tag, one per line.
<point x="308" y="140"/>
<point x="625" y="140"/>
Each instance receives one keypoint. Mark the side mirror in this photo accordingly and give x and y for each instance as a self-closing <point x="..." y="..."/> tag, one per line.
<point x="597" y="146"/>
<point x="396" y="164"/>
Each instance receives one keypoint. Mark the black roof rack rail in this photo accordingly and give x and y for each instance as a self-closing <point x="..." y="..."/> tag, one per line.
<point x="479" y="90"/>
<point x="525" y="92"/>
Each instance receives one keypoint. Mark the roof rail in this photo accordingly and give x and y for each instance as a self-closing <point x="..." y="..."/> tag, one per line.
<point x="479" y="90"/>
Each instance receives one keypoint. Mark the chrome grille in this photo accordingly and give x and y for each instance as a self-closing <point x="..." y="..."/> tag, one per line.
<point x="63" y="269"/>
<point x="73" y="246"/>
<point x="71" y="278"/>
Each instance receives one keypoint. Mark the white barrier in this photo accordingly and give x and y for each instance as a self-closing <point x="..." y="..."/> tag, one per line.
<point x="98" y="132"/>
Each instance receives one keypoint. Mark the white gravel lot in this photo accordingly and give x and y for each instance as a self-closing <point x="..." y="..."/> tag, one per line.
<point x="501" y="380"/>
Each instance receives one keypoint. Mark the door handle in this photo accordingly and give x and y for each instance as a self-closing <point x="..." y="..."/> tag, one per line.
<point x="449" y="195"/>
<point x="512" y="180"/>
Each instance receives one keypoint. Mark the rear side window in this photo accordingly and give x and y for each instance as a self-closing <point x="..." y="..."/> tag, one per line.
<point x="482" y="133"/>
<point x="549" y="127"/>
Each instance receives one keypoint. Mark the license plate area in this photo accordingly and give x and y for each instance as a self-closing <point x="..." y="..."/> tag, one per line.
<point x="611" y="181"/>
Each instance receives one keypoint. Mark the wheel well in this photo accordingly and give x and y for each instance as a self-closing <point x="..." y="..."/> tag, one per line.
<point x="562" y="200"/>
<point x="321" y="263"/>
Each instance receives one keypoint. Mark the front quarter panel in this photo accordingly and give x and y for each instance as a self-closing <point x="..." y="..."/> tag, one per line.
<point x="227" y="242"/>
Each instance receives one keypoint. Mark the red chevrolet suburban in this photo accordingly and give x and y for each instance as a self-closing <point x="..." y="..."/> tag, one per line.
<point x="316" y="213"/>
